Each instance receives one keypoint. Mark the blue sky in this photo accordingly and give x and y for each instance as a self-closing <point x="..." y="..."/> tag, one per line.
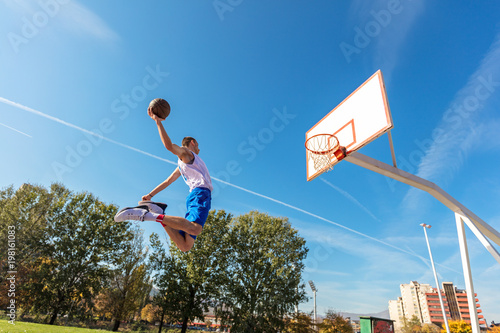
<point x="248" y="79"/>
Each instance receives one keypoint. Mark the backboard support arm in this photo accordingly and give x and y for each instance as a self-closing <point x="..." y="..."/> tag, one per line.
<point x="393" y="154"/>
<point x="462" y="214"/>
<point x="464" y="254"/>
<point x="425" y="185"/>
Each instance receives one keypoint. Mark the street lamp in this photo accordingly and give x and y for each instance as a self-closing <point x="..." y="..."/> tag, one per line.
<point x="296" y="294"/>
<point x="435" y="277"/>
<point x="313" y="288"/>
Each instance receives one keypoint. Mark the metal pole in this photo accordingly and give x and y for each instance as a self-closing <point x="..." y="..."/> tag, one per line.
<point x="313" y="288"/>
<point x="436" y="278"/>
<point x="297" y="303"/>
<point x="392" y="149"/>
<point x="315" y="317"/>
<point x="469" y="286"/>
<point x="296" y="294"/>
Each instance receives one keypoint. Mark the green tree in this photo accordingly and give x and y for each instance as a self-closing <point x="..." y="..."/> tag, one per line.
<point x="458" y="326"/>
<point x="299" y="323"/>
<point x="263" y="273"/>
<point x="24" y="210"/>
<point x="22" y="227"/>
<point x="412" y="325"/>
<point x="165" y="279"/>
<point x="335" y="323"/>
<point x="151" y="313"/>
<point x="128" y="285"/>
<point x="174" y="292"/>
<point x="74" y="237"/>
<point x="430" y="328"/>
<point x="206" y="266"/>
<point x="188" y="281"/>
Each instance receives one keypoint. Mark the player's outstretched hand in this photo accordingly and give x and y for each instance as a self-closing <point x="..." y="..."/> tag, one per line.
<point x="147" y="197"/>
<point x="154" y="117"/>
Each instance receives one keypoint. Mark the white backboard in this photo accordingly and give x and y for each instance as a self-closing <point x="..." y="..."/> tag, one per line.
<point x="361" y="118"/>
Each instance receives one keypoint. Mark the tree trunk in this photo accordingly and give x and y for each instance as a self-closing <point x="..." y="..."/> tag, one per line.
<point x="192" y="294"/>
<point x="54" y="317"/>
<point x="117" y="324"/>
<point x="184" y="325"/>
<point x="60" y="300"/>
<point x="161" y="321"/>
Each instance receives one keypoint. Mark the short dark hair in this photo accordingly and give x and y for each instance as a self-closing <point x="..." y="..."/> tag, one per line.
<point x="187" y="140"/>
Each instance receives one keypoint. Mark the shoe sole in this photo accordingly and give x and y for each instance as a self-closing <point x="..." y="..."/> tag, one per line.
<point x="162" y="205"/>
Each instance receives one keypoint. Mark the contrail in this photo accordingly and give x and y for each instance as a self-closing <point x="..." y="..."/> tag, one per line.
<point x="325" y="220"/>
<point x="19" y="106"/>
<point x="65" y="123"/>
<point x="18" y="131"/>
<point x="351" y="198"/>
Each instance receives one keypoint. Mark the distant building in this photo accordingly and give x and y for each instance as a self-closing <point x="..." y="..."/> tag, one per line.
<point x="355" y="324"/>
<point x="422" y="301"/>
<point x="396" y="312"/>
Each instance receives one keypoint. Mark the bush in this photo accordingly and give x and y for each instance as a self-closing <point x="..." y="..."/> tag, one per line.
<point x="139" y="327"/>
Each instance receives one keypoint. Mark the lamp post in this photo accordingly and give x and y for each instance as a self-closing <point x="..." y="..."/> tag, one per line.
<point x="435" y="277"/>
<point x="296" y="294"/>
<point x="313" y="288"/>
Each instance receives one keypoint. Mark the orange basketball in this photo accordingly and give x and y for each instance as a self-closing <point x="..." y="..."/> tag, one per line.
<point x="160" y="107"/>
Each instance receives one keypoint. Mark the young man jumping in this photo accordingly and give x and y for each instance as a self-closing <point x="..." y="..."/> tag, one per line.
<point x="182" y="231"/>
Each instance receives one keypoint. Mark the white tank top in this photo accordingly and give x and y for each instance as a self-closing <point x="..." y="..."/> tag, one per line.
<point x="195" y="174"/>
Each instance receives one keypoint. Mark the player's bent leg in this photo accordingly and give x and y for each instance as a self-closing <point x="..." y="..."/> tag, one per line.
<point x="183" y="243"/>
<point x="187" y="244"/>
<point x="180" y="223"/>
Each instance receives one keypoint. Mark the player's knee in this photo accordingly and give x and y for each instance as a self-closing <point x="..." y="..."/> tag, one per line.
<point x="185" y="248"/>
<point x="196" y="229"/>
<point x="187" y="245"/>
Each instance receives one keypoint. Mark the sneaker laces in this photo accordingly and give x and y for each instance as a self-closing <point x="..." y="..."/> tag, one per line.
<point x="146" y="210"/>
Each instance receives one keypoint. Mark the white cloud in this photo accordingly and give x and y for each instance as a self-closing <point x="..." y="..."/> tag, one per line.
<point x="325" y="243"/>
<point x="386" y="24"/>
<point x="462" y="129"/>
<point x="325" y="272"/>
<point x="70" y="13"/>
<point x="79" y="18"/>
<point x="389" y="43"/>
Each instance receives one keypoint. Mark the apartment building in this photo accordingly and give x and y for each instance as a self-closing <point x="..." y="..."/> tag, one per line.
<point x="422" y="301"/>
<point x="396" y="312"/>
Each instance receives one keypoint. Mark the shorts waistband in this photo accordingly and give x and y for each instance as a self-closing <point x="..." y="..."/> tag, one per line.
<point x="202" y="189"/>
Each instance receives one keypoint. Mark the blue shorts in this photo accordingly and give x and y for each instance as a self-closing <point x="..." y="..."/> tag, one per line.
<point x="198" y="205"/>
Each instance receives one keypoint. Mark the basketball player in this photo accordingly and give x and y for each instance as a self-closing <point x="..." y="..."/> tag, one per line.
<point x="182" y="231"/>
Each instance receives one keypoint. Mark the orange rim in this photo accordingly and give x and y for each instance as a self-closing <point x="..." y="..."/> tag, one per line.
<point x="320" y="144"/>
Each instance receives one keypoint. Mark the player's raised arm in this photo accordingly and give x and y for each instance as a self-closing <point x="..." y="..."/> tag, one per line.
<point x="181" y="152"/>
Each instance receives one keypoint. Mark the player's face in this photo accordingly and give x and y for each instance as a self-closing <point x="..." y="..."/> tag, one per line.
<point x="196" y="149"/>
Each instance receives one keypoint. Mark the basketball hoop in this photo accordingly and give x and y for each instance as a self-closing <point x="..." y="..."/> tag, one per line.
<point x="322" y="147"/>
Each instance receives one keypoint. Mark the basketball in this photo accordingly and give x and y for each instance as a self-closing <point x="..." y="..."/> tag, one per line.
<point x="160" y="107"/>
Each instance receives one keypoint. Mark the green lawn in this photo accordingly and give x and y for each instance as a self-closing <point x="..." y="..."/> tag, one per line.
<point x="22" y="327"/>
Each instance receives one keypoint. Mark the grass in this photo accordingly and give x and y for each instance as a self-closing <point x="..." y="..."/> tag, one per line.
<point x="24" y="327"/>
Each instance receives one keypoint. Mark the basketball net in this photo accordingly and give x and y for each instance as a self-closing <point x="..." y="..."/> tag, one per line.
<point x="322" y="148"/>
